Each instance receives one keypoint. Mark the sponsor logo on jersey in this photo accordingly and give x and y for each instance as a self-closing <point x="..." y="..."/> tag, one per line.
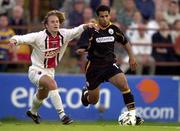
<point x="50" y="53"/>
<point x="105" y="39"/>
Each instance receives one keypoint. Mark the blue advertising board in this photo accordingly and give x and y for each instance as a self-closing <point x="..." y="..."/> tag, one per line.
<point x="157" y="98"/>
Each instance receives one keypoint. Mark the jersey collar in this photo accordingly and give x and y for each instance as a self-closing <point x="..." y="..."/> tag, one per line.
<point x="49" y="34"/>
<point x="103" y="28"/>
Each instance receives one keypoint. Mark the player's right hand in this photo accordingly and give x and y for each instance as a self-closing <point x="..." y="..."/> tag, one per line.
<point x="132" y="63"/>
<point x="12" y="42"/>
<point x="12" y="48"/>
<point x="81" y="51"/>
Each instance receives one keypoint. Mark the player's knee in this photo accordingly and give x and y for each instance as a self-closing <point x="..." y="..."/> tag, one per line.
<point x="52" y="86"/>
<point x="42" y="94"/>
<point x="48" y="83"/>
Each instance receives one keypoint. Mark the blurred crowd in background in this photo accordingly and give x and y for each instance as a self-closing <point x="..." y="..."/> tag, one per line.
<point x="152" y="27"/>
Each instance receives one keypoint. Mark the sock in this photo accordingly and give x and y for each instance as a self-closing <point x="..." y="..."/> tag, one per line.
<point x="57" y="102"/>
<point x="35" y="105"/>
<point x="129" y="100"/>
<point x="133" y="112"/>
<point x="86" y="96"/>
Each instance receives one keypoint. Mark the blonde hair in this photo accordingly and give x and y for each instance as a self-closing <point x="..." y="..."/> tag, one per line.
<point x="57" y="13"/>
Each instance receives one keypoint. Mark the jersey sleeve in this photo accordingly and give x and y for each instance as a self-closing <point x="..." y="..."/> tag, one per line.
<point x="121" y="38"/>
<point x="70" y="34"/>
<point x="25" y="39"/>
<point x="83" y="41"/>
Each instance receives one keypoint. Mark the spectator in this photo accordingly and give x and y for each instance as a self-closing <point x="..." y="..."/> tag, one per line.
<point x="6" y="6"/>
<point x="107" y="2"/>
<point x="176" y="38"/>
<point x="5" y="34"/>
<point x="20" y="3"/>
<point x="177" y="47"/>
<point x="137" y="19"/>
<point x="95" y="3"/>
<point x="176" y="31"/>
<point x="76" y="15"/>
<point x="114" y="19"/>
<point x="18" y="20"/>
<point x="153" y="25"/>
<point x="163" y="54"/>
<point x="146" y="7"/>
<point x="68" y="4"/>
<point x="125" y="15"/>
<point x="23" y="51"/>
<point x="56" y="4"/>
<point x="172" y="13"/>
<point x="161" y="5"/>
<point x="143" y="52"/>
<point x="87" y="15"/>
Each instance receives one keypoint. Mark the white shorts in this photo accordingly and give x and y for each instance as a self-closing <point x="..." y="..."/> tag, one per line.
<point x="35" y="73"/>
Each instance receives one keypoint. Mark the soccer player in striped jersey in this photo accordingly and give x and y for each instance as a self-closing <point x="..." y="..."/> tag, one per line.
<point x="48" y="48"/>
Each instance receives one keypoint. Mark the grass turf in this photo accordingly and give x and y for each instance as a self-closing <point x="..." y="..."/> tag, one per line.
<point x="85" y="126"/>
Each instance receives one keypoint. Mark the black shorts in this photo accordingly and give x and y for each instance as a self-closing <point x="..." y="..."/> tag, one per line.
<point x="98" y="73"/>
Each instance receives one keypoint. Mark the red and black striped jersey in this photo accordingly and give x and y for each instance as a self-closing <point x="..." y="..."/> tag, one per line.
<point x="48" y="50"/>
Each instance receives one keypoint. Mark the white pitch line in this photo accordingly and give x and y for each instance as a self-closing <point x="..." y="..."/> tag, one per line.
<point x="166" y="127"/>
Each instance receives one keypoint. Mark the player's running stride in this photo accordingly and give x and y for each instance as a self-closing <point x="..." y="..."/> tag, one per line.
<point x="101" y="65"/>
<point x="48" y="48"/>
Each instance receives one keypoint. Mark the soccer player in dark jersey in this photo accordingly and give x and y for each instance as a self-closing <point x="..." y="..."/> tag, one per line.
<point x="101" y="65"/>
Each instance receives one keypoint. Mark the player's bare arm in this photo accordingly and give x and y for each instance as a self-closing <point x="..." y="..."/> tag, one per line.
<point x="132" y="60"/>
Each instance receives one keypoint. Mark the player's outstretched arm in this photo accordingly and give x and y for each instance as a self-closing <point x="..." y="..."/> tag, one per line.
<point x="91" y="25"/>
<point x="12" y="48"/>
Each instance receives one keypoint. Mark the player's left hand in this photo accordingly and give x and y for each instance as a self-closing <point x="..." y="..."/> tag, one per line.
<point x="92" y="25"/>
<point x="132" y="63"/>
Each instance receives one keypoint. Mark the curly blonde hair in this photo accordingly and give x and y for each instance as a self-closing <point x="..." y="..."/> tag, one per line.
<point x="57" y="13"/>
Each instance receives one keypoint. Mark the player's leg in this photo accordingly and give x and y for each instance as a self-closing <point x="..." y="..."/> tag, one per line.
<point x="46" y="85"/>
<point x="34" y="76"/>
<point x="90" y="96"/>
<point x="120" y="81"/>
<point x="50" y="84"/>
<point x="38" y="98"/>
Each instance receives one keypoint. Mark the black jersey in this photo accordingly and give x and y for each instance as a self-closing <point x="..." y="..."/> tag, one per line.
<point x="100" y="44"/>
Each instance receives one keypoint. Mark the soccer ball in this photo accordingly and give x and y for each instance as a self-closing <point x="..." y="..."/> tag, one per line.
<point x="127" y="119"/>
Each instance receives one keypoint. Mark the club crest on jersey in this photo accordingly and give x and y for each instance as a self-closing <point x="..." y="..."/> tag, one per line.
<point x="111" y="31"/>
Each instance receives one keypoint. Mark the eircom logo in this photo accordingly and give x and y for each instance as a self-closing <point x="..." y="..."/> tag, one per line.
<point x="149" y="90"/>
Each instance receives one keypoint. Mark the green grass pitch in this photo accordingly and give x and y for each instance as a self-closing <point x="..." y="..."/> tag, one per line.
<point x="85" y="126"/>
